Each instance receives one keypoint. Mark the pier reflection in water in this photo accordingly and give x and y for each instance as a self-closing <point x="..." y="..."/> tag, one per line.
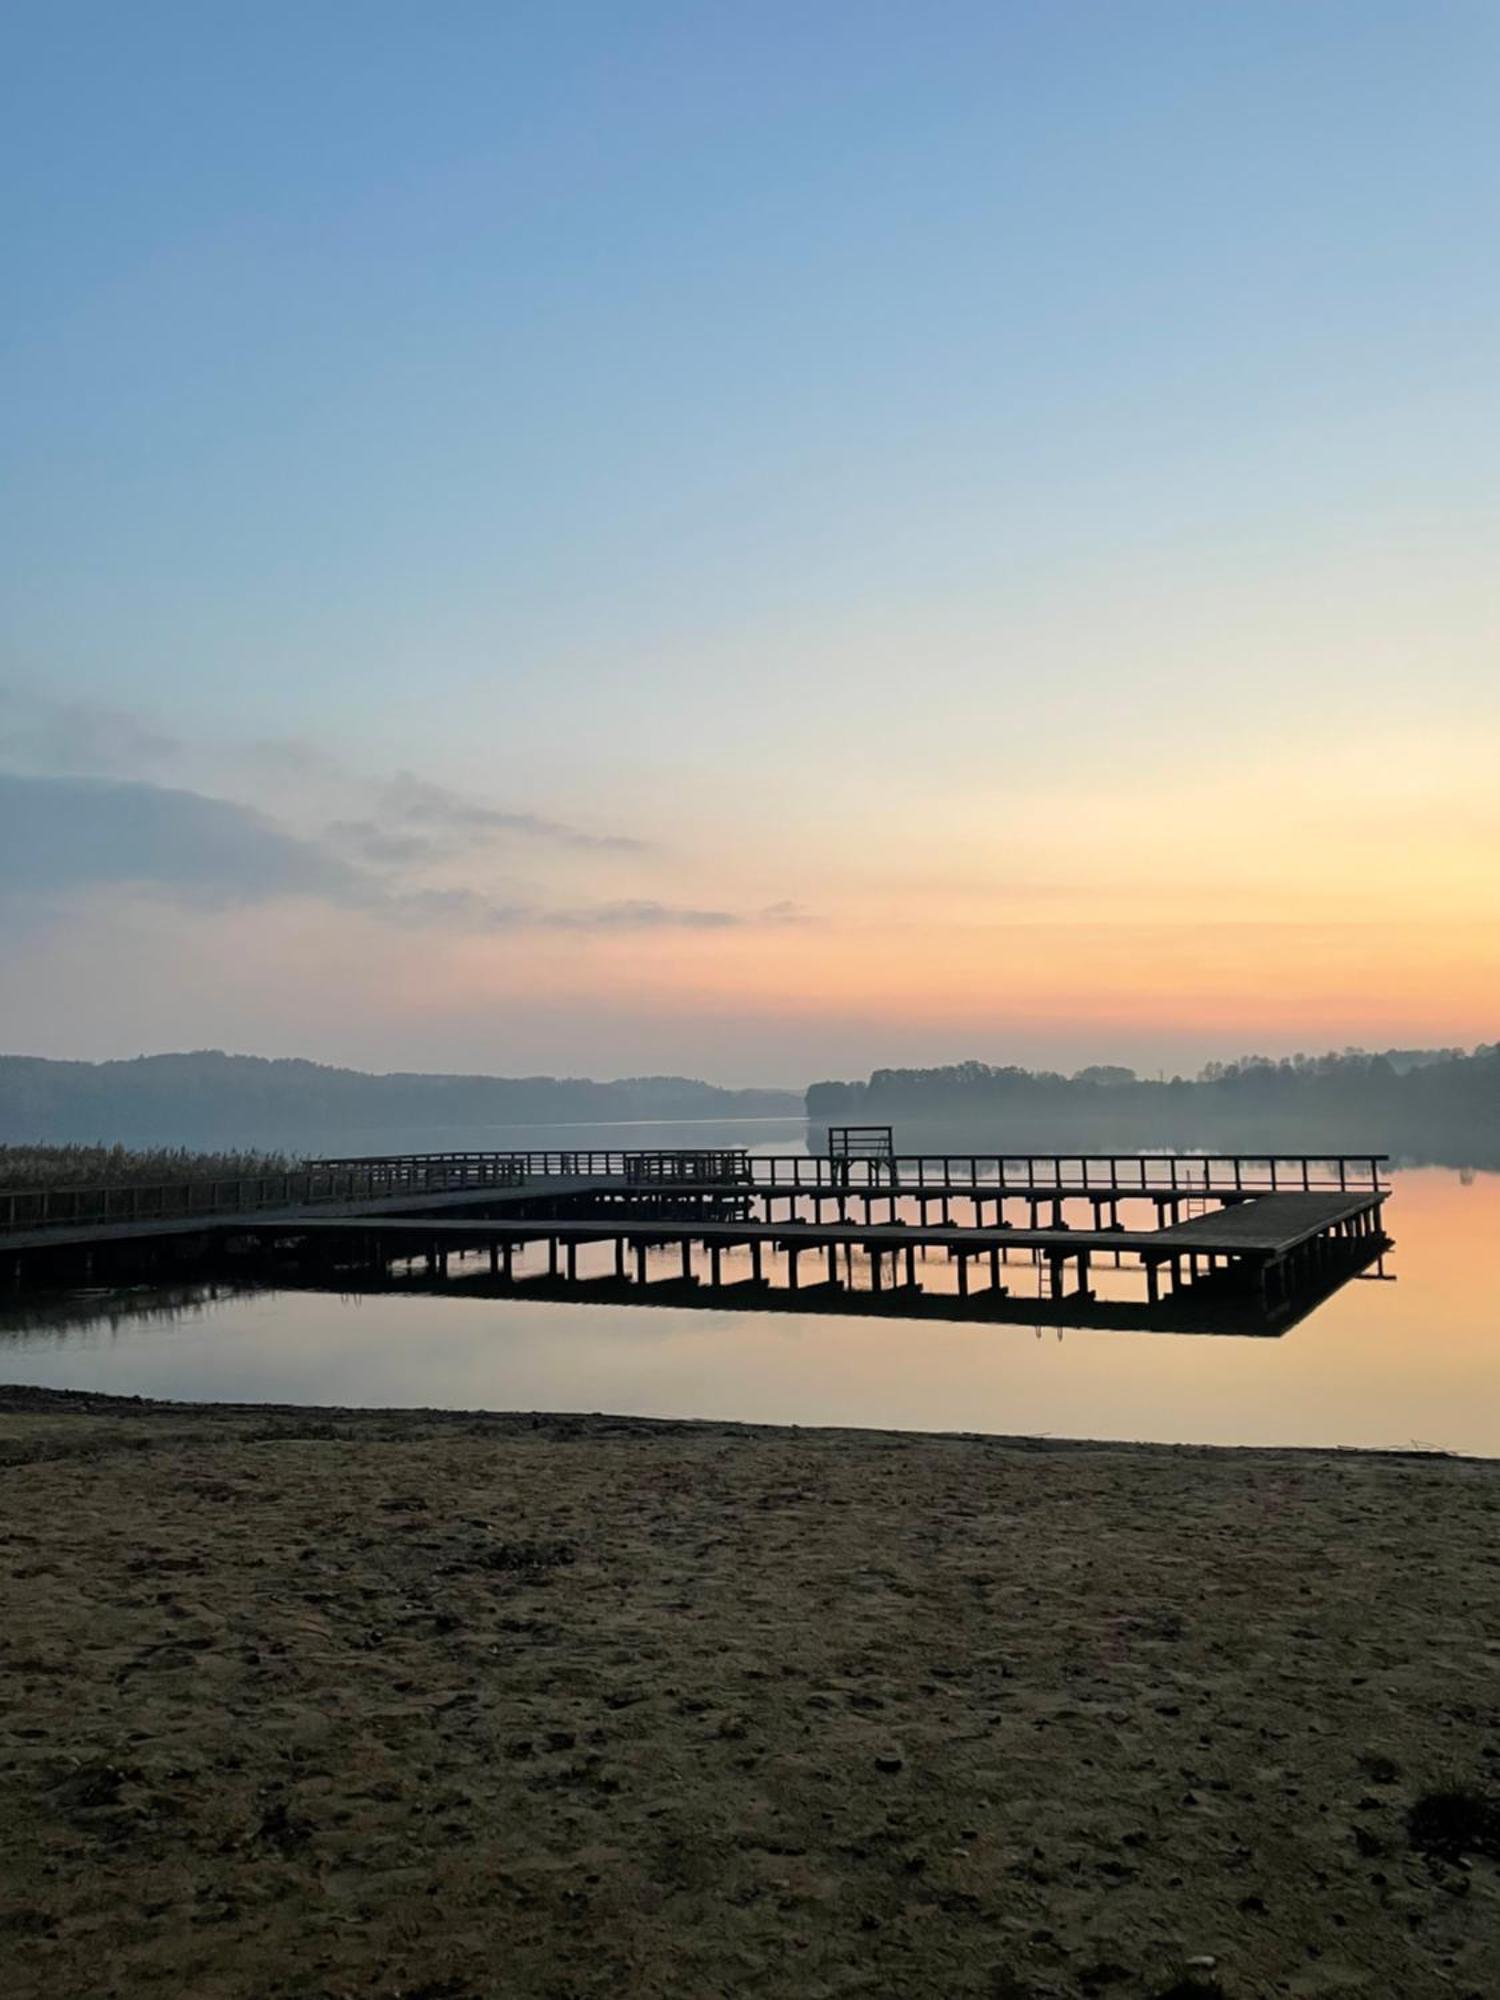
<point x="931" y="1283"/>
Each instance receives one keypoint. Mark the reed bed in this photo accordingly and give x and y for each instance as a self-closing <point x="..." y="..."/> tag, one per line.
<point x="36" y="1168"/>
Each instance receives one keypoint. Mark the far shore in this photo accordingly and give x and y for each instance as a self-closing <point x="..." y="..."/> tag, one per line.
<point x="443" y="1706"/>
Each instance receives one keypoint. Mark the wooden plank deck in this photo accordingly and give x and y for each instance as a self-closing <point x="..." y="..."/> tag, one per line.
<point x="1271" y="1223"/>
<point x="1280" y="1224"/>
<point x="409" y="1202"/>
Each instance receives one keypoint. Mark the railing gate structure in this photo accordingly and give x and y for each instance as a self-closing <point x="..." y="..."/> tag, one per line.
<point x="875" y="1145"/>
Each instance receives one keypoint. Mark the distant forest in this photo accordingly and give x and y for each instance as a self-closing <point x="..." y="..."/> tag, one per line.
<point x="1423" y="1104"/>
<point x="210" y="1099"/>
<point x="1440" y="1105"/>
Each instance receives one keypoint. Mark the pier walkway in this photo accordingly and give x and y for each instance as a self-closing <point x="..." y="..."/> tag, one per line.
<point x="1268" y="1229"/>
<point x="1268" y="1234"/>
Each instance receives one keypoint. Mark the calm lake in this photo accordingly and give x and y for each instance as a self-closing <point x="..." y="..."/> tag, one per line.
<point x="1413" y="1360"/>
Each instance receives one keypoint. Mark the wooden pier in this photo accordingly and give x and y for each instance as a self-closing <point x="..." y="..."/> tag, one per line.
<point x="1259" y="1236"/>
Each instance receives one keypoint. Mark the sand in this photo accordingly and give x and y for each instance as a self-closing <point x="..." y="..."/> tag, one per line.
<point x="327" y="1703"/>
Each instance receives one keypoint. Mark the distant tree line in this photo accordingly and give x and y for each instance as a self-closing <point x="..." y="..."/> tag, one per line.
<point x="211" y="1100"/>
<point x="1438" y="1105"/>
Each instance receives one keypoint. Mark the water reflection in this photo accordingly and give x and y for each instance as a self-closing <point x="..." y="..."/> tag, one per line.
<point x="1204" y="1310"/>
<point x="1378" y="1365"/>
<point x="44" y="1316"/>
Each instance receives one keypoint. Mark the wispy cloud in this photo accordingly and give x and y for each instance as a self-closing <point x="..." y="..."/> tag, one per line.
<point x="68" y="835"/>
<point x="43" y="733"/>
<point x="288" y="757"/>
<point x="71" y="833"/>
<point x="385" y="847"/>
<point x="401" y="820"/>
<point x="466" y="910"/>
<point x="639" y="916"/>
<point x="413" y="806"/>
<point x="651" y="915"/>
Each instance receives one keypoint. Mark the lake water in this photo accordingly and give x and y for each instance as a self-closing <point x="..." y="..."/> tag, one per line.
<point x="1410" y="1361"/>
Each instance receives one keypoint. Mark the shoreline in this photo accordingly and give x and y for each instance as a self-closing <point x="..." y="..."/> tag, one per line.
<point x="25" y="1398"/>
<point x="447" y="1704"/>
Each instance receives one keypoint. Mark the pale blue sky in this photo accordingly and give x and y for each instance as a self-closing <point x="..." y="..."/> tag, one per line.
<point x="896" y="425"/>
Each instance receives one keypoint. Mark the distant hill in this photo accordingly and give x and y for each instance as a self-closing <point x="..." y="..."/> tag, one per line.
<point x="211" y="1099"/>
<point x="1428" y="1104"/>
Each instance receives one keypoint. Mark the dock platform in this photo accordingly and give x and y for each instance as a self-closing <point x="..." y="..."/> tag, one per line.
<point x="1269" y="1232"/>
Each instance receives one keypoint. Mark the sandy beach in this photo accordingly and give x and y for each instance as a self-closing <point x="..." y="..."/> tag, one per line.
<point x="430" y="1707"/>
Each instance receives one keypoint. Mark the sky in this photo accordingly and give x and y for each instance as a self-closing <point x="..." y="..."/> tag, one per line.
<point x="749" y="539"/>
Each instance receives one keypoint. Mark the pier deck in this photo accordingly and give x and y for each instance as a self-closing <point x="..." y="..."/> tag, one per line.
<point x="368" y="1208"/>
<point x="1269" y="1226"/>
<point x="1227" y="1225"/>
<point x="1272" y="1224"/>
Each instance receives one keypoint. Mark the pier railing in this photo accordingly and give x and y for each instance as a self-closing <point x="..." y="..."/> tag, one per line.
<point x="716" y="1165"/>
<point x="1102" y="1173"/>
<point x="1119" y="1175"/>
<point x="696" y="1163"/>
<point x="175" y="1201"/>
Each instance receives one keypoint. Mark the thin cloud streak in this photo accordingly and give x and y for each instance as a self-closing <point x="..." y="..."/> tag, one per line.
<point x="409" y="818"/>
<point x="417" y="802"/>
<point x="650" y="915"/>
<point x="90" y="738"/>
<point x="67" y="836"/>
<point x="465" y="909"/>
<point x="61" y="835"/>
